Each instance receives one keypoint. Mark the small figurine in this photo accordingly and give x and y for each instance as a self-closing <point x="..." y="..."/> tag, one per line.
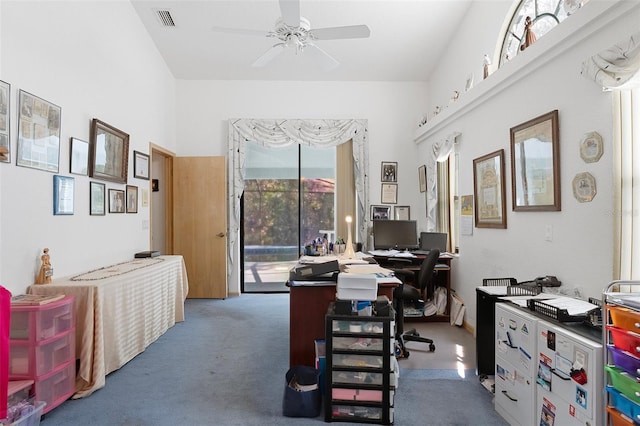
<point x="486" y="62"/>
<point x="529" y="36"/>
<point x="46" y="270"/>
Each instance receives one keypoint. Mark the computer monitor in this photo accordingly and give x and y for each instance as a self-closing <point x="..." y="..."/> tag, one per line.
<point x="433" y="240"/>
<point x="395" y="234"/>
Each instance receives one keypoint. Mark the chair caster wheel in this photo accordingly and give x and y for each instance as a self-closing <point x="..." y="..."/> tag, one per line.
<point x="432" y="347"/>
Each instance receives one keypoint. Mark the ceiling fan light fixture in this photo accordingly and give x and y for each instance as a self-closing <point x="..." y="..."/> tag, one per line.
<point x="294" y="32"/>
<point x="293" y="41"/>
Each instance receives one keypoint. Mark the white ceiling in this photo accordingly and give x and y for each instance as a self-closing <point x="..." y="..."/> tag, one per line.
<point x="407" y="38"/>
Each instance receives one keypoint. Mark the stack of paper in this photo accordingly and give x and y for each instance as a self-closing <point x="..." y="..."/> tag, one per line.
<point x="368" y="268"/>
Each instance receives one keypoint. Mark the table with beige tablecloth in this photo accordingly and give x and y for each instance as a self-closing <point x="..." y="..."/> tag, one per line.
<point x="120" y="310"/>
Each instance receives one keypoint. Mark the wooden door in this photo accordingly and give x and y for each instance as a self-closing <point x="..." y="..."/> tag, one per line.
<point x="200" y="223"/>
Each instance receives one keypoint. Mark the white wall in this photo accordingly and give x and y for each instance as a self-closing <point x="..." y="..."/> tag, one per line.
<point x="393" y="110"/>
<point x="580" y="253"/>
<point x="95" y="60"/>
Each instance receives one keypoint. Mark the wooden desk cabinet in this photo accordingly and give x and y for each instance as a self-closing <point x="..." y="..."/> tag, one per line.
<point x="443" y="279"/>
<point x="308" y="304"/>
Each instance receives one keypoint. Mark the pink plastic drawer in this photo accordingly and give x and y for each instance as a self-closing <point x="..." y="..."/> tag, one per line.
<point x="27" y="360"/>
<point x="625" y="340"/>
<point x="624" y="318"/>
<point x="36" y="323"/>
<point x="340" y="394"/>
<point x="57" y="386"/>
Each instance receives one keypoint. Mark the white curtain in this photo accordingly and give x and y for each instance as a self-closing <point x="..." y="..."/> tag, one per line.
<point x="626" y="133"/>
<point x="618" y="69"/>
<point x="281" y="133"/>
<point x="436" y="211"/>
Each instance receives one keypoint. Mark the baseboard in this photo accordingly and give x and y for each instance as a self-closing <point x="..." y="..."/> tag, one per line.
<point x="471" y="329"/>
<point x="233" y="294"/>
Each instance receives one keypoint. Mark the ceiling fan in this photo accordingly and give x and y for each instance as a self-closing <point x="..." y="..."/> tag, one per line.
<point x="294" y="32"/>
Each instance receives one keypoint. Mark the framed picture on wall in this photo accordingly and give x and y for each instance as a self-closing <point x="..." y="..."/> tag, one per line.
<point x="132" y="199"/>
<point x="140" y="165"/>
<point x="97" y="198"/>
<point x="389" y="172"/>
<point x="422" y="178"/>
<point x="489" y="191"/>
<point x="38" y="133"/>
<point x="380" y="212"/>
<point x="63" y="188"/>
<point x="389" y="193"/>
<point x="401" y="213"/>
<point x="5" y="137"/>
<point x="79" y="157"/>
<point x="116" y="201"/>
<point x="109" y="152"/>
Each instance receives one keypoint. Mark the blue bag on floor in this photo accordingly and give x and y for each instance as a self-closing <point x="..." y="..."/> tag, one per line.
<point x="302" y="396"/>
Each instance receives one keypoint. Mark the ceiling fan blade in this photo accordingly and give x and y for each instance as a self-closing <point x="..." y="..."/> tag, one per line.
<point x="327" y="62"/>
<point x="269" y="55"/>
<point x="290" y="10"/>
<point x="333" y="33"/>
<point x="242" y="31"/>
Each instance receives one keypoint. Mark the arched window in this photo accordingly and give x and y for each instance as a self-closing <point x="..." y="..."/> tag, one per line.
<point x="531" y="20"/>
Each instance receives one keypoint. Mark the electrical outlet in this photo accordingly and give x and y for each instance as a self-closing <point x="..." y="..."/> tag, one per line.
<point x="548" y="233"/>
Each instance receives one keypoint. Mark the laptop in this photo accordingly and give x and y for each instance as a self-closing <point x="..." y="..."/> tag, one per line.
<point x="432" y="240"/>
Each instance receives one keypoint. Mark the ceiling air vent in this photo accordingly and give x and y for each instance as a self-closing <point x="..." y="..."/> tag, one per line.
<point x="165" y="18"/>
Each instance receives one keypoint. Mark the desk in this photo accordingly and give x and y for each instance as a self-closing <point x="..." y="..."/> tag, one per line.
<point x="308" y="304"/>
<point x="443" y="279"/>
<point x="120" y="310"/>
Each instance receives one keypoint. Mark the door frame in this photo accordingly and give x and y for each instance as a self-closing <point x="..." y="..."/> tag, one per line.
<point x="168" y="157"/>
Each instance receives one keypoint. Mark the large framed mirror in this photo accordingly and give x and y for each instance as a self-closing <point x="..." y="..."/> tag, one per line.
<point x="535" y="164"/>
<point x="109" y="152"/>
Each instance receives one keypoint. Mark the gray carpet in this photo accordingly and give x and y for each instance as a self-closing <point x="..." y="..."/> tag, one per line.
<point x="225" y="365"/>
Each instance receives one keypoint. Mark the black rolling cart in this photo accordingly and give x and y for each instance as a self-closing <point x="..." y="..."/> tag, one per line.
<point x="361" y="368"/>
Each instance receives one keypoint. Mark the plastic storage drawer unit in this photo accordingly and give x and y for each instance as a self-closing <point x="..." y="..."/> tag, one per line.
<point x="619" y="419"/>
<point x="623" y="404"/>
<point x="624" y="382"/>
<point x="26" y="361"/>
<point x="42" y="323"/>
<point x="624" y="318"/>
<point x="625" y="340"/>
<point x="625" y="360"/>
<point x="56" y="387"/>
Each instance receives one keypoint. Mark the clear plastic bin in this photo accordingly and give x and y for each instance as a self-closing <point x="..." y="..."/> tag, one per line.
<point x="358" y="326"/>
<point x="357" y="360"/>
<point x="30" y="417"/>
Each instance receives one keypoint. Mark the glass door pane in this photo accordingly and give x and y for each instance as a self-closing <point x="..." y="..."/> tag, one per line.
<point x="318" y="180"/>
<point x="277" y="221"/>
<point x="270" y="217"/>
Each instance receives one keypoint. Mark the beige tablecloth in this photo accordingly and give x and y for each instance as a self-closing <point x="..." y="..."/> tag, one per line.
<point x="120" y="310"/>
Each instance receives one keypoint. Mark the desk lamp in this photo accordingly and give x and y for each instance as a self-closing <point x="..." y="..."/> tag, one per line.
<point x="348" y="252"/>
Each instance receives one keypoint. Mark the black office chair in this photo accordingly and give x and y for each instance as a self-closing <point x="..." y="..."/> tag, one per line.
<point x="406" y="292"/>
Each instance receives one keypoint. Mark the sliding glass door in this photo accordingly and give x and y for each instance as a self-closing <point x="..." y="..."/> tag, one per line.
<point x="288" y="201"/>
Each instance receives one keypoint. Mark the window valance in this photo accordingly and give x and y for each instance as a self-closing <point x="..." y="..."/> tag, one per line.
<point x="284" y="132"/>
<point x="616" y="67"/>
